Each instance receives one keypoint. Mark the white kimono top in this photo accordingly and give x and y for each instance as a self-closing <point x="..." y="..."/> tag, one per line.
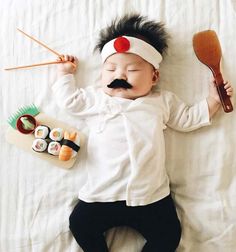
<point x="126" y="147"/>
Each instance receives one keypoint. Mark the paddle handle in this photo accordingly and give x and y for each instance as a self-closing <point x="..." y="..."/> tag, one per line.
<point x="224" y="98"/>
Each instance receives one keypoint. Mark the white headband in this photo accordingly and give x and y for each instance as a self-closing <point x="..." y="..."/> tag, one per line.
<point x="126" y="44"/>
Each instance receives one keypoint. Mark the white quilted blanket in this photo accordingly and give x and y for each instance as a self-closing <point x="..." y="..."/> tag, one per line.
<point x="36" y="198"/>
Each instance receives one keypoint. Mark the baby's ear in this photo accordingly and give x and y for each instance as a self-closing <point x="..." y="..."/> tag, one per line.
<point x="155" y="77"/>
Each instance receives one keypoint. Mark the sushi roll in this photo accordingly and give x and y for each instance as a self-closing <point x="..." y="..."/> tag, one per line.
<point x="54" y="148"/>
<point x="41" y="131"/>
<point x="39" y="145"/>
<point x="56" y="134"/>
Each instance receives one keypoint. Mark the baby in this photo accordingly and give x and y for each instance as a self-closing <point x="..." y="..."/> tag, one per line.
<point x="127" y="182"/>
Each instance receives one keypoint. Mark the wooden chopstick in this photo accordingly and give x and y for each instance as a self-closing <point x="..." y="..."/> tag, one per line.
<point x="39" y="42"/>
<point x="44" y="63"/>
<point x="39" y="64"/>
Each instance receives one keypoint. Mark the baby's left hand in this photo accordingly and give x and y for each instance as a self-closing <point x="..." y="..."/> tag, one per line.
<point x="213" y="90"/>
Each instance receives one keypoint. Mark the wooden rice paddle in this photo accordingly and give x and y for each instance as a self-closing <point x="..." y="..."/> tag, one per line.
<point x="207" y="49"/>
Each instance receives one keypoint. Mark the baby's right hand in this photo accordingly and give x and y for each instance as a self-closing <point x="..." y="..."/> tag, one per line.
<point x="69" y="66"/>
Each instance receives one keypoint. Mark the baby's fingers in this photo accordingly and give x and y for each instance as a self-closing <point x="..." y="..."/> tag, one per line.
<point x="66" y="58"/>
<point x="70" y="58"/>
<point x="229" y="91"/>
<point x="228" y="88"/>
<point x="60" y="58"/>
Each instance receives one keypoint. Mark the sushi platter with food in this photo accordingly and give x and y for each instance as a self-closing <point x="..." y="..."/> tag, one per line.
<point x="48" y="138"/>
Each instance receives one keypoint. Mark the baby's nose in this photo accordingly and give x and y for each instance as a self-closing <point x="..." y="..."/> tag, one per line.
<point x="121" y="75"/>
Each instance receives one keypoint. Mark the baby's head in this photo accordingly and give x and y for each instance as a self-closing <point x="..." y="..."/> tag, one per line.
<point x="131" y="50"/>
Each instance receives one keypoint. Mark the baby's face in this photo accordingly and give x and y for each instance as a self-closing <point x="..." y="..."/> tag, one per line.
<point x="132" y="68"/>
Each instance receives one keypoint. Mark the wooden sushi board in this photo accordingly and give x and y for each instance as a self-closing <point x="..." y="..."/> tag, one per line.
<point x="24" y="141"/>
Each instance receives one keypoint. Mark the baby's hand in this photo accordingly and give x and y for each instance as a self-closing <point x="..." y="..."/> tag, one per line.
<point x="213" y="91"/>
<point x="69" y="66"/>
<point x="229" y="89"/>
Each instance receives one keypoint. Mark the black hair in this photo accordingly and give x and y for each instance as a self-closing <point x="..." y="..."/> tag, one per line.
<point x="137" y="26"/>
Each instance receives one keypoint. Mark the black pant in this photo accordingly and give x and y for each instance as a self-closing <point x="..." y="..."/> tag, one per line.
<point x="157" y="222"/>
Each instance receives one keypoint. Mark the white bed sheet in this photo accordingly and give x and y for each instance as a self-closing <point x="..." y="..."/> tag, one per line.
<point x="36" y="198"/>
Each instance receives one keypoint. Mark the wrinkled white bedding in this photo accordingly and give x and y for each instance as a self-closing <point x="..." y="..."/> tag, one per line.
<point x="36" y="198"/>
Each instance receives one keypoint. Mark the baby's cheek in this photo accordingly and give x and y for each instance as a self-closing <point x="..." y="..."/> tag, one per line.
<point x="107" y="78"/>
<point x="105" y="81"/>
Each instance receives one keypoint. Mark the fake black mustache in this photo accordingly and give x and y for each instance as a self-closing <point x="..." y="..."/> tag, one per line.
<point x="119" y="83"/>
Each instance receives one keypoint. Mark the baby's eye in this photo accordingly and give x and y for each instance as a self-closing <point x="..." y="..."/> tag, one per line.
<point x="110" y="69"/>
<point x="133" y="70"/>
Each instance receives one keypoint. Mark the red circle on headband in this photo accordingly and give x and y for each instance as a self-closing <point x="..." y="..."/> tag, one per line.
<point x="121" y="44"/>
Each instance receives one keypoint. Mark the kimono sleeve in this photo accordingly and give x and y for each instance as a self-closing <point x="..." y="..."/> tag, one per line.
<point x="183" y="117"/>
<point x="76" y="101"/>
